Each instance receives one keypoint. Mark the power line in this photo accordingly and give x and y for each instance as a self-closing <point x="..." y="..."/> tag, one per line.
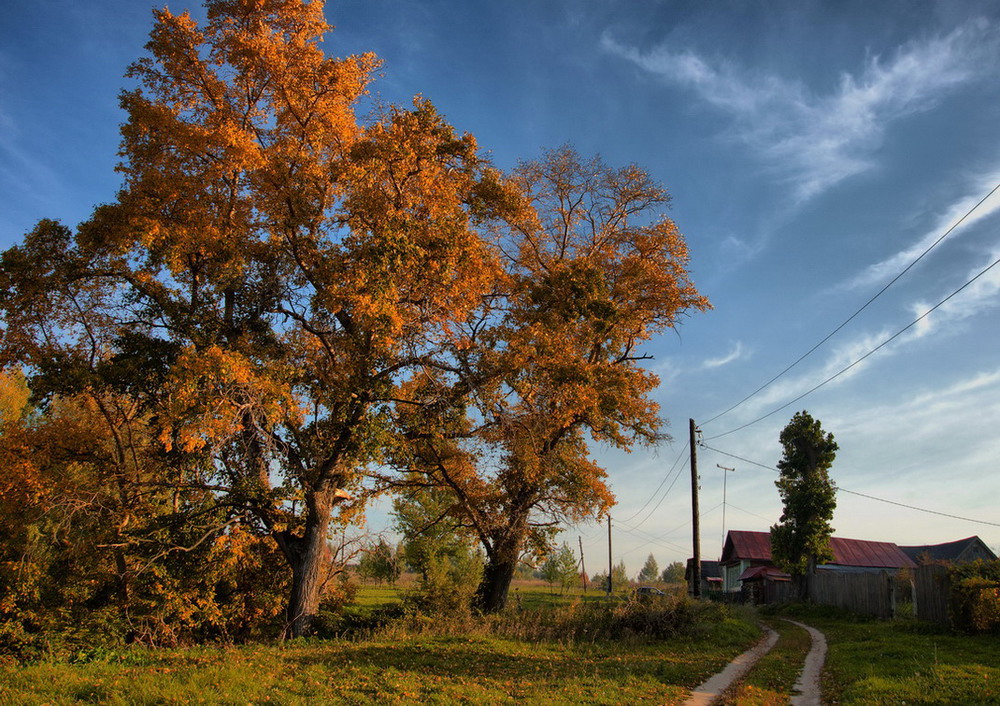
<point x="653" y="494"/>
<point x="649" y="539"/>
<point x="856" y="313"/>
<point x="874" y="350"/>
<point x="863" y="495"/>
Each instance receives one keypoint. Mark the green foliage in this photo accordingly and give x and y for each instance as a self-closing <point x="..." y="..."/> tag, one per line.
<point x="650" y="570"/>
<point x="674" y="573"/>
<point x="449" y="582"/>
<point x="619" y="578"/>
<point x="560" y="567"/>
<point x="801" y="538"/>
<point x="975" y="596"/>
<point x="380" y="563"/>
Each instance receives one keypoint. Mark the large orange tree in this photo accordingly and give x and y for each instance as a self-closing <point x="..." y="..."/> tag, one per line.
<point x="552" y="361"/>
<point x="270" y="270"/>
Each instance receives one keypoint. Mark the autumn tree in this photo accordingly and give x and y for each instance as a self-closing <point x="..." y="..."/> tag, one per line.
<point x="270" y="271"/>
<point x="801" y="538"/>
<point x="95" y="541"/>
<point x="551" y="362"/>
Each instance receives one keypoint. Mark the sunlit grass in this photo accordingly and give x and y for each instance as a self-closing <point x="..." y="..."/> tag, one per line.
<point x="895" y="662"/>
<point x="772" y="679"/>
<point x="437" y="670"/>
<point x="511" y="658"/>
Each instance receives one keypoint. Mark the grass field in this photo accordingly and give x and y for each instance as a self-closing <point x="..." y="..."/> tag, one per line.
<point x="422" y="661"/>
<point x="907" y="662"/>
<point x="540" y="654"/>
<point x="898" y="662"/>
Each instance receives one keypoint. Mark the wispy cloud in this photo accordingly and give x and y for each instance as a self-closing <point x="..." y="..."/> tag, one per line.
<point x="855" y="355"/>
<point x="981" y="295"/>
<point x="812" y="140"/>
<point x="957" y="218"/>
<point x="737" y="353"/>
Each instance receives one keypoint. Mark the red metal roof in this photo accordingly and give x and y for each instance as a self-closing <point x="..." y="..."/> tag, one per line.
<point x="756" y="546"/>
<point x="861" y="552"/>
<point x="741" y="544"/>
<point x="764" y="572"/>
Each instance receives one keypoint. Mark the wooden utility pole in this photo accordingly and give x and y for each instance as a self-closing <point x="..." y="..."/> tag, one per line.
<point x="695" y="588"/>
<point x="583" y="567"/>
<point x="610" y="571"/>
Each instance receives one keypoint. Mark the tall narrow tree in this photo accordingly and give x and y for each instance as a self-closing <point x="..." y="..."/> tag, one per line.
<point x="801" y="538"/>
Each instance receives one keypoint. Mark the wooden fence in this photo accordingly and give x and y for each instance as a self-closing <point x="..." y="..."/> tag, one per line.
<point x="931" y="591"/>
<point x="866" y="593"/>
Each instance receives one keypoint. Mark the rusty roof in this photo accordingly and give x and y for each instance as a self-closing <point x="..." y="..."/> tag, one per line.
<point x="756" y="546"/>
<point x="741" y="544"/>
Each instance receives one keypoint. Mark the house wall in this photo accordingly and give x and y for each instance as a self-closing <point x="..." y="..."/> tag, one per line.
<point x="730" y="574"/>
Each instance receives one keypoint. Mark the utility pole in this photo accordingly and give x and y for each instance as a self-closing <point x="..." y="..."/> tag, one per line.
<point x="695" y="514"/>
<point x="725" y="475"/>
<point x="609" y="556"/>
<point x="583" y="567"/>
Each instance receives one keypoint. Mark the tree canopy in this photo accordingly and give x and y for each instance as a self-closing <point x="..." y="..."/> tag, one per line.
<point x="650" y="570"/>
<point x="801" y="538"/>
<point x="270" y="270"/>
<point x="284" y="299"/>
<point x="551" y="361"/>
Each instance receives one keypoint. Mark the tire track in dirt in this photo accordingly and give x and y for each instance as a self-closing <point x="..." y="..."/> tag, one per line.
<point x="807" y="687"/>
<point x="805" y="691"/>
<point x="734" y="671"/>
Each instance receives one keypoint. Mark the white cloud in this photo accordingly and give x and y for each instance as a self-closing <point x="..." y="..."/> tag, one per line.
<point x="981" y="295"/>
<point x="737" y="353"/>
<point x="957" y="217"/>
<point x="814" y="141"/>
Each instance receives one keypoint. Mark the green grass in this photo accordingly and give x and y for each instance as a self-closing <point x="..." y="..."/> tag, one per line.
<point x="434" y="670"/>
<point x="771" y="680"/>
<point x="895" y="662"/>
<point x="500" y="660"/>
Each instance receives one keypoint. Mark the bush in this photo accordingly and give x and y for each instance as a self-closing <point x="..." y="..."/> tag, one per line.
<point x="976" y="605"/>
<point x="448" y="583"/>
<point x="975" y="596"/>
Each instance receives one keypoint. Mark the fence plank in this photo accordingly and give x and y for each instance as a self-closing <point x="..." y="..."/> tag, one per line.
<point x="865" y="593"/>
<point x="931" y="588"/>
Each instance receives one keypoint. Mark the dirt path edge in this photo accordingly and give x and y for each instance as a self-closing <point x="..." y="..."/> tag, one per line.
<point x="734" y="671"/>
<point x="807" y="688"/>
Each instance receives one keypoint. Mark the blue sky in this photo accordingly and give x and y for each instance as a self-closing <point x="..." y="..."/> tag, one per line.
<point x="813" y="151"/>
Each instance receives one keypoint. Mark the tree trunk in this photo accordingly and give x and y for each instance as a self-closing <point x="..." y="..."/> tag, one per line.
<point x="491" y="596"/>
<point x="307" y="557"/>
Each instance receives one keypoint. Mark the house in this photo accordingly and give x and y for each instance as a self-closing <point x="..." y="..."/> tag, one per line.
<point x="745" y="551"/>
<point x="961" y="551"/>
<point x="711" y="579"/>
